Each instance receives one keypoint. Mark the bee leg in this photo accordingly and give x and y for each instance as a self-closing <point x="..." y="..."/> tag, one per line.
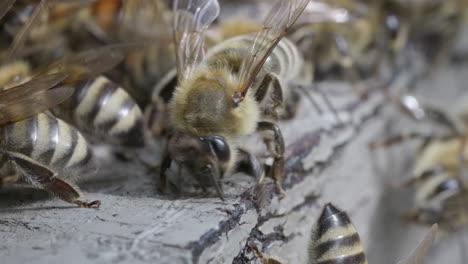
<point x="462" y="153"/>
<point x="276" y="95"/>
<point x="329" y="104"/>
<point x="155" y="116"/>
<point x="277" y="169"/>
<point x="165" y="165"/>
<point x="249" y="164"/>
<point x="399" y="138"/>
<point x="424" y="175"/>
<point x="421" y="216"/>
<point x="291" y="106"/>
<point x="410" y="106"/>
<point x="259" y="255"/>
<point x="309" y="78"/>
<point x="47" y="179"/>
<point x="347" y="63"/>
<point x="156" y="113"/>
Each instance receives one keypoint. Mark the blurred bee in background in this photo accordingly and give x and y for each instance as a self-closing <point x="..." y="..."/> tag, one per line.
<point x="98" y="107"/>
<point x="438" y="172"/>
<point x="46" y="151"/>
<point x="347" y="45"/>
<point x="40" y="26"/>
<point x="232" y="91"/>
<point x="334" y="240"/>
<point x="432" y="26"/>
<point x="141" y="21"/>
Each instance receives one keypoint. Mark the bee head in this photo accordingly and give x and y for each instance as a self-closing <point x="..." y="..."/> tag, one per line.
<point x="205" y="157"/>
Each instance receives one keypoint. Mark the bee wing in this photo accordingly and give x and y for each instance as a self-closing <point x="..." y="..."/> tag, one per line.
<point x="279" y="20"/>
<point x="90" y="63"/>
<point x="5" y="5"/>
<point x="28" y="99"/>
<point x="421" y="251"/>
<point x="22" y="35"/>
<point x="191" y="19"/>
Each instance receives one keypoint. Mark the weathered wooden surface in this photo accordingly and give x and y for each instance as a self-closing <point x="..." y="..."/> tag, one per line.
<point x="326" y="163"/>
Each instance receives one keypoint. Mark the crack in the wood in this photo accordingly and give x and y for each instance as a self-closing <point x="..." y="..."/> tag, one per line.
<point x="256" y="234"/>
<point x="294" y="173"/>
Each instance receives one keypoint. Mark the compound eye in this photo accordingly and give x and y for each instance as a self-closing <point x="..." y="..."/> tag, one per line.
<point x="219" y="146"/>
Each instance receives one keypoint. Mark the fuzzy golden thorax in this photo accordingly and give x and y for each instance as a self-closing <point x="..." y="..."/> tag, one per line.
<point x="203" y="105"/>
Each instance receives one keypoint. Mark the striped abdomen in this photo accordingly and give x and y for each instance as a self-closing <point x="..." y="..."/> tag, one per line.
<point x="284" y="61"/>
<point x="104" y="111"/>
<point x="335" y="240"/>
<point x="50" y="142"/>
<point x="436" y="186"/>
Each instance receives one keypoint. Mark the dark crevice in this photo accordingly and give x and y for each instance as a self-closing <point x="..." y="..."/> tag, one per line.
<point x="259" y="196"/>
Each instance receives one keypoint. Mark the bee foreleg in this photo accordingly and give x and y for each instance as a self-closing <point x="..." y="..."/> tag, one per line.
<point x="291" y="105"/>
<point x="399" y="138"/>
<point x="249" y="164"/>
<point x="259" y="254"/>
<point x="155" y="116"/>
<point x="347" y="63"/>
<point x="156" y="113"/>
<point x="410" y="106"/>
<point x="47" y="179"/>
<point x="461" y="152"/>
<point x="165" y="165"/>
<point x="421" y="176"/>
<point x="278" y="154"/>
<point x="276" y="94"/>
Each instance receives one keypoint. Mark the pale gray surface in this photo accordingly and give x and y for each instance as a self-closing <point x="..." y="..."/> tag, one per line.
<point x="136" y="225"/>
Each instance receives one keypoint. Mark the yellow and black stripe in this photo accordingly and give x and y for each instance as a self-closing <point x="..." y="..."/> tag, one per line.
<point x="285" y="60"/>
<point x="436" y="186"/>
<point x="334" y="240"/>
<point x="103" y="110"/>
<point x="49" y="141"/>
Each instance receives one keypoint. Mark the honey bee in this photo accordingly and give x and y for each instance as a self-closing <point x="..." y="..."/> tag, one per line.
<point x="46" y="151"/>
<point x="437" y="173"/>
<point x="440" y="198"/>
<point x="347" y="45"/>
<point x="142" y="21"/>
<point x="334" y="228"/>
<point x="98" y="107"/>
<point x="234" y="90"/>
<point x="41" y="25"/>
<point x="334" y="239"/>
<point x="431" y="26"/>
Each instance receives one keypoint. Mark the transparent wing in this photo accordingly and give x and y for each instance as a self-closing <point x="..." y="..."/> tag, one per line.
<point x="28" y="99"/>
<point x="5" y="5"/>
<point x="90" y="63"/>
<point x="279" y="20"/>
<point x="30" y="88"/>
<point x="421" y="251"/>
<point x="22" y="35"/>
<point x="191" y="19"/>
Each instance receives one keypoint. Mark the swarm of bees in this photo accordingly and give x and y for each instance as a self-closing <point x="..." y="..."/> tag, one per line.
<point x="76" y="73"/>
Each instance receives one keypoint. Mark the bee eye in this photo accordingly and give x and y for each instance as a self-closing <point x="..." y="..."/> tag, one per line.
<point x="219" y="146"/>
